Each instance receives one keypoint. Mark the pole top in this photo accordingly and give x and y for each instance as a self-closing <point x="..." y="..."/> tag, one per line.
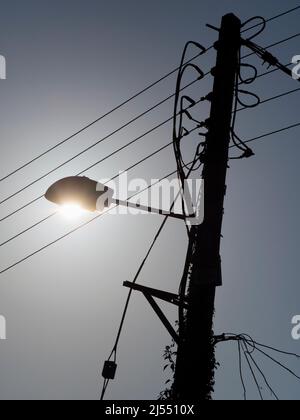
<point x="231" y="17"/>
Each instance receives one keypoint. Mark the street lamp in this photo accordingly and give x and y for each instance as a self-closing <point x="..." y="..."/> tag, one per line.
<point x="81" y="193"/>
<point x="75" y="193"/>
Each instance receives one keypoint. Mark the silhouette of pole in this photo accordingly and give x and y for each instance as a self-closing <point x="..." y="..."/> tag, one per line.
<point x="195" y="366"/>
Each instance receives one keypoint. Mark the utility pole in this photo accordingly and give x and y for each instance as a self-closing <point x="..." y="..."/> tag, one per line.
<point x="195" y="366"/>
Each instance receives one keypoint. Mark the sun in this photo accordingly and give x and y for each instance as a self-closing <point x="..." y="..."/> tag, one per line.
<point x="72" y="211"/>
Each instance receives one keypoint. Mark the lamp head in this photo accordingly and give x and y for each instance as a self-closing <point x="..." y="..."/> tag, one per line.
<point x="81" y="191"/>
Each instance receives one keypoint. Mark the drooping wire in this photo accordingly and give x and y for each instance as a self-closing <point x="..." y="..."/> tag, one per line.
<point x="275" y="44"/>
<point x="250" y="347"/>
<point x="237" y="141"/>
<point x="93" y="146"/>
<point x="115" y="347"/>
<point x="263" y="376"/>
<point x="263" y="24"/>
<point x="38" y="251"/>
<point x="248" y="141"/>
<point x="274" y="98"/>
<point x="179" y="131"/>
<point x="262" y="102"/>
<point x="112" y="179"/>
<point x="178" y="114"/>
<point x="147" y="88"/>
<point x="250" y="79"/>
<point x="130" y="99"/>
<point x="241" y="370"/>
<point x="130" y="143"/>
<point x="285" y="353"/>
<point x="273" y="18"/>
<point x="113" y="353"/>
<point x="252" y="371"/>
<point x="279" y="363"/>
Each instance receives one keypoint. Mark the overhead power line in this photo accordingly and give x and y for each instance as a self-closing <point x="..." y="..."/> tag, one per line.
<point x="271" y="71"/>
<point x="128" y="144"/>
<point x="134" y="141"/>
<point x="275" y="44"/>
<point x="101" y="118"/>
<point x="167" y="145"/>
<point x="127" y="101"/>
<point x="136" y="277"/>
<point x="93" y="146"/>
<point x="112" y="179"/>
<point x="273" y="98"/>
<point x="273" y="18"/>
<point x="270" y="134"/>
<point x="276" y="97"/>
<point x="116" y="131"/>
<point x="93" y="165"/>
<point x="81" y="226"/>
<point x="250" y="349"/>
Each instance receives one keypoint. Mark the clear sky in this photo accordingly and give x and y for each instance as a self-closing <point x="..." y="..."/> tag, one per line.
<point x="68" y="62"/>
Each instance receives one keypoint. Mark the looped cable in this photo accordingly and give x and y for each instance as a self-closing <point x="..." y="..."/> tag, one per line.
<point x="251" y="79"/>
<point x="253" y="95"/>
<point x="263" y="23"/>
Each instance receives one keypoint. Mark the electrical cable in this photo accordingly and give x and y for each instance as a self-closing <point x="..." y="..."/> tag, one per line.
<point x="263" y="23"/>
<point x="177" y="131"/>
<point x="115" y="347"/>
<point x="256" y="138"/>
<point x="249" y="346"/>
<point x="77" y="228"/>
<point x="273" y="98"/>
<point x="99" y="161"/>
<point x="273" y="18"/>
<point x="271" y="133"/>
<point x="263" y="376"/>
<point x="90" y="148"/>
<point x="21" y="208"/>
<point x="277" y="350"/>
<point x="279" y="363"/>
<point x="112" y="179"/>
<point x="264" y="135"/>
<point x="150" y="86"/>
<point x="271" y="71"/>
<point x="27" y="164"/>
<point x="241" y="370"/>
<point x="250" y="80"/>
<point x="252" y="373"/>
<point x="237" y="141"/>
<point x="274" y="44"/>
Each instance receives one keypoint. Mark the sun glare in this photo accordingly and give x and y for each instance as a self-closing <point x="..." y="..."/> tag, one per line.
<point x="72" y="211"/>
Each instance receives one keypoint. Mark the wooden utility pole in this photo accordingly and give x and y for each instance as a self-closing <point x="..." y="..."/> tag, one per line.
<point x="194" y="375"/>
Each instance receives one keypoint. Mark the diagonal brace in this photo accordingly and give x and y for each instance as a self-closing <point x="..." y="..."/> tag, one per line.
<point x="168" y="297"/>
<point x="165" y="296"/>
